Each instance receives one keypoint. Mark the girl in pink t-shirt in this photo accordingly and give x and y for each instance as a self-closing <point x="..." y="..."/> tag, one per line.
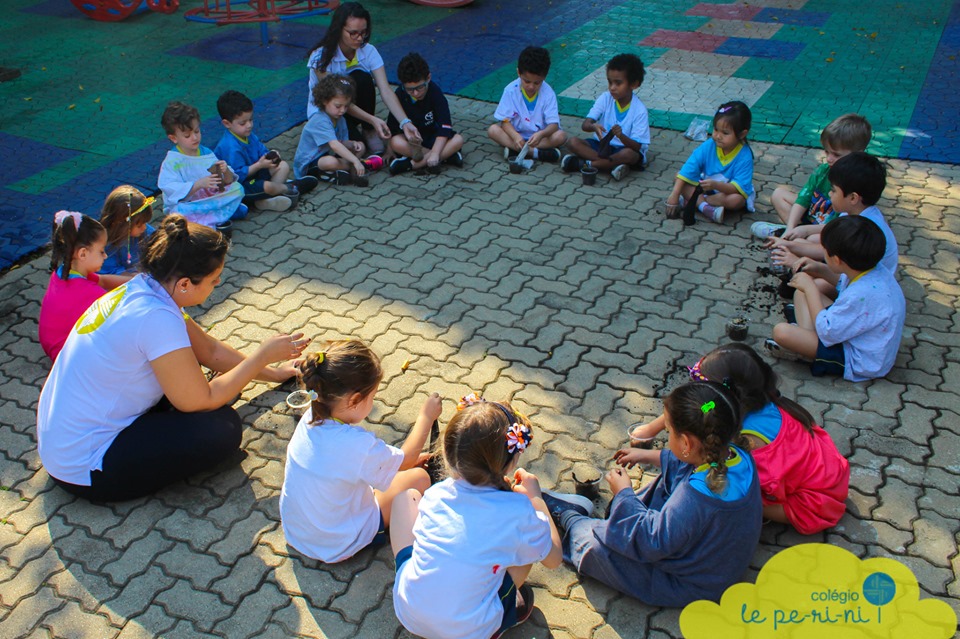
<point x="78" y="252"/>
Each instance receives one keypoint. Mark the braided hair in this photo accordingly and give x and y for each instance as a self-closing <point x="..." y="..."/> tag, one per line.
<point x="709" y="412"/>
<point x="752" y="380"/>
<point x="475" y="443"/>
<point x="341" y="369"/>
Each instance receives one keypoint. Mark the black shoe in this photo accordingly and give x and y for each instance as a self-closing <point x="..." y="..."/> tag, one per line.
<point x="339" y="177"/>
<point x="548" y="155"/>
<point x="570" y="163"/>
<point x="455" y="160"/>
<point x="790" y="313"/>
<point x="358" y="180"/>
<point x="400" y="165"/>
<point x="305" y="184"/>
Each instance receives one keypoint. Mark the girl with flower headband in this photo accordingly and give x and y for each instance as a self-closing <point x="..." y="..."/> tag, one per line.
<point x="464" y="550"/>
<point x="691" y="533"/>
<point x="804" y="480"/>
<point x="125" y="215"/>
<point x="719" y="173"/>
<point x="341" y="479"/>
<point x="77" y="254"/>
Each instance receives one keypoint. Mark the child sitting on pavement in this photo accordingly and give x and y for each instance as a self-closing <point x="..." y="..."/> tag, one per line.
<point x="262" y="173"/>
<point x="691" y="533"/>
<point x="719" y="173"/>
<point x="528" y="112"/>
<point x="620" y="122"/>
<point x="804" y="480"/>
<point x="803" y="213"/>
<point x="465" y="549"/>
<point x="340" y="479"/>
<point x="125" y="215"/>
<point x="858" y="335"/>
<point x="857" y="181"/>
<point x="426" y="107"/>
<point x="325" y="149"/>
<point x="195" y="183"/>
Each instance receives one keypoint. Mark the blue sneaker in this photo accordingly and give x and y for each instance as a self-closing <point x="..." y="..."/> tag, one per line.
<point x="240" y="213"/>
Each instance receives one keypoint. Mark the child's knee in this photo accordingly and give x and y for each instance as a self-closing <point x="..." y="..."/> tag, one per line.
<point x="420" y="480"/>
<point x="494" y="131"/>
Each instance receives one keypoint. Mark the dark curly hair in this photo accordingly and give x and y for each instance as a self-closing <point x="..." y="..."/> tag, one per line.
<point x="332" y="85"/>
<point x="628" y="64"/>
<point x="412" y="68"/>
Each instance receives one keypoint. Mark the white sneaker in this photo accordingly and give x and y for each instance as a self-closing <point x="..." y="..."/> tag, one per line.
<point x="775" y="350"/>
<point x="567" y="501"/>
<point x="712" y="213"/>
<point x="763" y="230"/>
<point x="619" y="172"/>
<point x="506" y="153"/>
<point x="275" y="203"/>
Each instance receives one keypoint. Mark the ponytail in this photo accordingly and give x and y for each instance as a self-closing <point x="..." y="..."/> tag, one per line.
<point x="71" y="231"/>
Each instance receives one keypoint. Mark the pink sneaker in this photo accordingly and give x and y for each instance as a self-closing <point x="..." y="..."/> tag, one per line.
<point x="373" y="163"/>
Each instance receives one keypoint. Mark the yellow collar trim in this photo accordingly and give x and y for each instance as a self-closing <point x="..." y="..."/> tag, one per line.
<point x="728" y="157"/>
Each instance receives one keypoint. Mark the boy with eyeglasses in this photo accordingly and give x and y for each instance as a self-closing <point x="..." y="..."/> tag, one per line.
<point x="426" y="108"/>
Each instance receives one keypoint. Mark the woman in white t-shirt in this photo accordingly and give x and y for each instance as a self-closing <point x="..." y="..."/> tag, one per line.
<point x="346" y="50"/>
<point x="464" y="550"/>
<point x="103" y="431"/>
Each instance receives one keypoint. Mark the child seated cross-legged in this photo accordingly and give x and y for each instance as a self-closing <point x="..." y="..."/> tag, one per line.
<point x="803" y="214"/>
<point x="325" y="150"/>
<point x="262" y="173"/>
<point x="690" y="534"/>
<point x="125" y="215"/>
<point x="340" y="479"/>
<point x="528" y="112"/>
<point x="620" y="122"/>
<point x="804" y="480"/>
<point x="719" y="173"/>
<point x="464" y="549"/>
<point x="195" y="183"/>
<point x="858" y="335"/>
<point x="426" y="107"/>
<point x="857" y="181"/>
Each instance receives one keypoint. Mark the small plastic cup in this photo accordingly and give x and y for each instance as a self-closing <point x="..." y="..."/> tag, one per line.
<point x="639" y="442"/>
<point x="589" y="489"/>
<point x="298" y="399"/>
<point x="737" y="329"/>
<point x="589" y="175"/>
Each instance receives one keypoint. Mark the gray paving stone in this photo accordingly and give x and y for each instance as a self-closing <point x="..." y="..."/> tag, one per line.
<point x="72" y="622"/>
<point x="203" y="609"/>
<point x="137" y="558"/>
<point x="249" y="617"/>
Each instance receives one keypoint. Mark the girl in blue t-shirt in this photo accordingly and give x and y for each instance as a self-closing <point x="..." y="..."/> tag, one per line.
<point x="692" y="532"/>
<point x="126" y="215"/>
<point x="719" y="173"/>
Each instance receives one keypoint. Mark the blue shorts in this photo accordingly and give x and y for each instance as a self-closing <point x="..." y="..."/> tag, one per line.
<point x="829" y="361"/>
<point x="253" y="186"/>
<point x="595" y="145"/>
<point x="507" y="591"/>
<point x="381" y="538"/>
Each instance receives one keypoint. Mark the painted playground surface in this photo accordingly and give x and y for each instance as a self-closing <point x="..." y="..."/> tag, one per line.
<point x="84" y="115"/>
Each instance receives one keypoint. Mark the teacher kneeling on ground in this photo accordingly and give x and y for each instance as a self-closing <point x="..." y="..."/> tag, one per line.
<point x="102" y="434"/>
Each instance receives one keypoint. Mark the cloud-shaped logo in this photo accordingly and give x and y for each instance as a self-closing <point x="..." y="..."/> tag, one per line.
<point x="816" y="591"/>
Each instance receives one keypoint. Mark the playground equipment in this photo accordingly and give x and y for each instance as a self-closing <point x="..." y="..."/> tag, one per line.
<point x="117" y="10"/>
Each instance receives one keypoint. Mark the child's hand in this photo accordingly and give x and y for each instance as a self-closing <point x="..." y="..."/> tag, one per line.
<point x="207" y="182"/>
<point x="423" y="460"/>
<point x="708" y="185"/>
<point x="783" y="257"/>
<point x="810" y="266"/>
<point x="526" y="484"/>
<point x="518" y="143"/>
<point x="616" y="130"/>
<point x="535" y="139"/>
<point x="433" y="159"/>
<point x="227" y="173"/>
<point x="618" y="480"/>
<point x="599" y="130"/>
<point x="802" y="282"/>
<point x="358" y="167"/>
<point x="432" y="407"/>
<point x="629" y="457"/>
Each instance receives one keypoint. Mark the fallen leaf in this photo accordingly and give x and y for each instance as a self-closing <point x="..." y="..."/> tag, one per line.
<point x="80" y="87"/>
<point x="405" y="365"/>
<point x="27" y="99"/>
<point x="829" y="59"/>
<point x="97" y="101"/>
<point x="73" y="106"/>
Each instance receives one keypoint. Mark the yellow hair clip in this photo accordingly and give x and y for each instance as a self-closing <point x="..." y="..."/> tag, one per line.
<point x="147" y="202"/>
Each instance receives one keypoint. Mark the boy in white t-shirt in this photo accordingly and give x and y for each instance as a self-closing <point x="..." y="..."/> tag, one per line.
<point x="528" y="112"/>
<point x="619" y="121"/>
<point x="858" y="335"/>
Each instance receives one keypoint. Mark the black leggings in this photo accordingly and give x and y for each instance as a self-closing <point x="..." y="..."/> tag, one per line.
<point x="366" y="99"/>
<point x="159" y="448"/>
